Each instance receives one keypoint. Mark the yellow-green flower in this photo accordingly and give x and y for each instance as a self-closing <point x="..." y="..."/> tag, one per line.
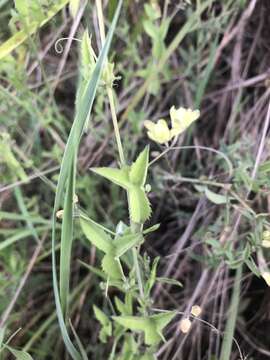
<point x="159" y="131"/>
<point x="181" y="119"/>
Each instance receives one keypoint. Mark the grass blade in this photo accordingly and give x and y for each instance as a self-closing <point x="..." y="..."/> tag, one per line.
<point x="66" y="238"/>
<point x="207" y="73"/>
<point x="231" y="322"/>
<point x="21" y="204"/>
<point x="19" y="235"/>
<point x="84" y="108"/>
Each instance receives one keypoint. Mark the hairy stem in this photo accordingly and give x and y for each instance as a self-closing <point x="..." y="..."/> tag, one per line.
<point x="109" y="89"/>
<point x="135" y="227"/>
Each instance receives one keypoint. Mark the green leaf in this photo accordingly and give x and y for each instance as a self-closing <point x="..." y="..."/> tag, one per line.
<point x="137" y="323"/>
<point x="111" y="266"/>
<point x="151" y="229"/>
<point x="163" y="319"/>
<point x="215" y="198"/>
<point x="96" y="235"/>
<point x="125" y="308"/>
<point x="164" y="27"/>
<point x="130" y="348"/>
<point x="152" y="326"/>
<point x="139" y="205"/>
<point x="101" y="316"/>
<point x="252" y="266"/>
<point x="105" y="332"/>
<point x="120" y="306"/>
<point x="200" y="188"/>
<point x="129" y="302"/>
<point x="124" y="243"/>
<point x="94" y="270"/>
<point x="117" y="176"/>
<point x="22" y="7"/>
<point x="105" y="322"/>
<point x="138" y="170"/>
<point x="169" y="281"/>
<point x="152" y="12"/>
<point x="153" y="275"/>
<point x="88" y="56"/>
<point x="150" y="28"/>
<point x="19" y="355"/>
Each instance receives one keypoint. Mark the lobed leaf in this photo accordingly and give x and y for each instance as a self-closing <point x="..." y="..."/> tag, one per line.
<point x="153" y="275"/>
<point x="120" y="306"/>
<point x="139" y="205"/>
<point x="101" y="316"/>
<point x="98" y="237"/>
<point x="105" y="322"/>
<point x="124" y="243"/>
<point x="138" y="170"/>
<point x="163" y="319"/>
<point x="135" y="323"/>
<point x="151" y="325"/>
<point x="111" y="266"/>
<point x="117" y="176"/>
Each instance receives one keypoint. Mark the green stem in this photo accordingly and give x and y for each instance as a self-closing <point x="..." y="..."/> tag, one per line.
<point x="138" y="272"/>
<point x="109" y="89"/>
<point x="135" y="227"/>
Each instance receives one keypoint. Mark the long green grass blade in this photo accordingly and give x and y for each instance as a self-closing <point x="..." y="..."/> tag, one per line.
<point x="84" y="108"/>
<point x="67" y="237"/>
<point x="19" y="217"/>
<point x="231" y="322"/>
<point x="206" y="76"/>
<point x="19" y="235"/>
<point x="21" y="204"/>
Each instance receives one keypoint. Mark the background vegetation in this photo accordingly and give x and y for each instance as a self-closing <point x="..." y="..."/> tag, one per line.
<point x="212" y="55"/>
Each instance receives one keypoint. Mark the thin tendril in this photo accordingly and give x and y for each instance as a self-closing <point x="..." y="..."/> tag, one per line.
<point x="225" y="157"/>
<point x="58" y="47"/>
